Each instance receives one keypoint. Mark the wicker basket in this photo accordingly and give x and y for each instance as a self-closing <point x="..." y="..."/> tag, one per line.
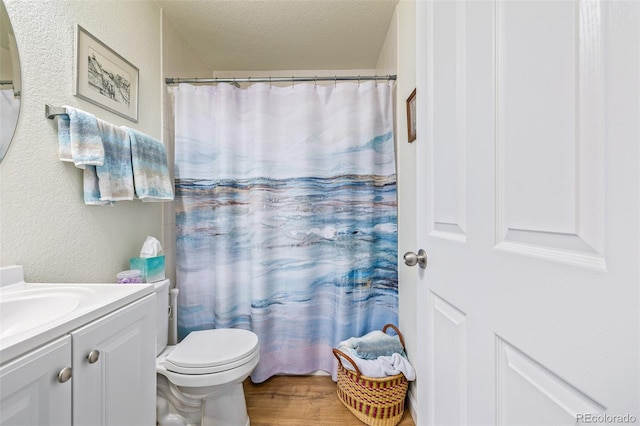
<point x="375" y="401"/>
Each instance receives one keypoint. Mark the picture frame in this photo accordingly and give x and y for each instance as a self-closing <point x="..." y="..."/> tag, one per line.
<point x="103" y="77"/>
<point x="411" y="116"/>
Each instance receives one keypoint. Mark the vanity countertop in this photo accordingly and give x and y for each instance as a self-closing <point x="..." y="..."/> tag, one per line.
<point x="32" y="314"/>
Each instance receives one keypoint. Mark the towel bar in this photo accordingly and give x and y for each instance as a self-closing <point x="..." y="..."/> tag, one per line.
<point x="51" y="111"/>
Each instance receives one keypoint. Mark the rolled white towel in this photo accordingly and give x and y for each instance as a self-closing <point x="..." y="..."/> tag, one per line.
<point x="381" y="367"/>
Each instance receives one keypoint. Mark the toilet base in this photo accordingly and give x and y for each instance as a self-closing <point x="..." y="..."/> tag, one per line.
<point x="212" y="406"/>
<point x="225" y="405"/>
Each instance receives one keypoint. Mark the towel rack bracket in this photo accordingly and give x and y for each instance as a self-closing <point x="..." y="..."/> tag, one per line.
<point x="51" y="111"/>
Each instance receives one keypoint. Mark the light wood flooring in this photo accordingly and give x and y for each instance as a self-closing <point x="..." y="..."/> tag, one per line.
<point x="300" y="401"/>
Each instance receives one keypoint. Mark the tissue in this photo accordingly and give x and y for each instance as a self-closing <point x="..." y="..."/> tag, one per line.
<point x="151" y="248"/>
<point x="150" y="263"/>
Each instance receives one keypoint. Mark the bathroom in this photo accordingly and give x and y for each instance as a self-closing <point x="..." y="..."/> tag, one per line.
<point x="46" y="227"/>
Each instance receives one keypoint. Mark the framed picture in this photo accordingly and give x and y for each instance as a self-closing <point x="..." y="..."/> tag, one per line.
<point x="411" y="116"/>
<point x="105" y="78"/>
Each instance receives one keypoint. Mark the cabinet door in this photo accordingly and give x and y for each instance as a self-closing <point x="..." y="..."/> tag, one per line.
<point x="30" y="393"/>
<point x="118" y="387"/>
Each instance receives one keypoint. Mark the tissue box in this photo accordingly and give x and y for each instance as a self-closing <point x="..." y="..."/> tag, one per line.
<point x="151" y="268"/>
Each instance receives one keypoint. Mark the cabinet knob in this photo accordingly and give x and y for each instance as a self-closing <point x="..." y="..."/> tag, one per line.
<point x="93" y="356"/>
<point x="64" y="375"/>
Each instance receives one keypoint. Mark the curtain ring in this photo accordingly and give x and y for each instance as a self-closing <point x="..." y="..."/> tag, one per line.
<point x="335" y="81"/>
<point x="269" y="82"/>
<point x="358" y="80"/>
<point x="293" y="81"/>
<point x="315" y="81"/>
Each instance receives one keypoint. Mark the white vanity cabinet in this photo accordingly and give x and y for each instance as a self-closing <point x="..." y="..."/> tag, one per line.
<point x="30" y="392"/>
<point x="114" y="368"/>
<point x="113" y="379"/>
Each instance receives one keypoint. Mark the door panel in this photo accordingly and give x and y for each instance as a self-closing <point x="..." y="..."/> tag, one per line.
<point x="118" y="388"/>
<point x="447" y="156"/>
<point x="550" y="146"/>
<point x="530" y="394"/>
<point x="536" y="115"/>
<point x="528" y="155"/>
<point x="30" y="393"/>
<point x="448" y="385"/>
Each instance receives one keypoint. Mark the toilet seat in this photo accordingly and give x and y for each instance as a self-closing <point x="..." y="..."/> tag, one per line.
<point x="212" y="351"/>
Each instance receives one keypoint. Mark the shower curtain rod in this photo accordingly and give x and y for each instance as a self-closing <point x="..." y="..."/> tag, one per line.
<point x="170" y="80"/>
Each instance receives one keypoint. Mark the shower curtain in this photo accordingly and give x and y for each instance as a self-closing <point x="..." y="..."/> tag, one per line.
<point x="286" y="216"/>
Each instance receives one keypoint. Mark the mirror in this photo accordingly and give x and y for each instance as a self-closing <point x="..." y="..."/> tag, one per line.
<point x="9" y="82"/>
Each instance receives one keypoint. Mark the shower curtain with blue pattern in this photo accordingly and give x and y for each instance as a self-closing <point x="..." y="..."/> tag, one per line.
<point x="286" y="216"/>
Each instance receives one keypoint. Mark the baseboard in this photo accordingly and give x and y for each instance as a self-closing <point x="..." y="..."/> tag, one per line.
<point x="412" y="405"/>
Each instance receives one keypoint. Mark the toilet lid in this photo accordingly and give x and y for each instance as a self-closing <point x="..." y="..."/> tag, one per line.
<point x="211" y="351"/>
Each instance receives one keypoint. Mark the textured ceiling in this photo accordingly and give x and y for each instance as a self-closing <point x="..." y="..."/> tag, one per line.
<point x="283" y="34"/>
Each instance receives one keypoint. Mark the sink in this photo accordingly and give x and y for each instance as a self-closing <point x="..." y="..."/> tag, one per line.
<point x="32" y="314"/>
<point x="23" y="310"/>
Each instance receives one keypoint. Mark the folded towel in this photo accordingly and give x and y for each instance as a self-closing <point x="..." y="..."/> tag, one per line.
<point x="372" y="345"/>
<point x="79" y="138"/>
<point x="92" y="188"/>
<point x="115" y="176"/>
<point x="382" y="366"/>
<point x="150" y="170"/>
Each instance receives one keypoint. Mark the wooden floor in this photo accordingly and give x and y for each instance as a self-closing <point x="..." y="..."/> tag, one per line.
<point x="299" y="401"/>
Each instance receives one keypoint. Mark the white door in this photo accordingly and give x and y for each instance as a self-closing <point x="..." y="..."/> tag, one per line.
<point x="114" y="367"/>
<point x="528" y="201"/>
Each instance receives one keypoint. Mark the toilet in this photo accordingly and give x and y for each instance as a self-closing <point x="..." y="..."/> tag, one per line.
<point x="199" y="380"/>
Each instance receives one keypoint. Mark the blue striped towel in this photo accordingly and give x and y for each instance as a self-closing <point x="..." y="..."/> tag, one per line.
<point x="79" y="138"/>
<point x="150" y="169"/>
<point x="115" y="176"/>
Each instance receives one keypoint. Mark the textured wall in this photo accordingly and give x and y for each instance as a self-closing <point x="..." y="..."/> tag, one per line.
<point x="44" y="224"/>
<point x="178" y="60"/>
<point x="398" y="57"/>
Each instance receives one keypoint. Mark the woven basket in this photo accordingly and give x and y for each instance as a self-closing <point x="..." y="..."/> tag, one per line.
<point x="375" y="401"/>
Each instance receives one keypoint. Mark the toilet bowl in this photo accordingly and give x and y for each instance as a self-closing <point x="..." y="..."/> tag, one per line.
<point x="200" y="378"/>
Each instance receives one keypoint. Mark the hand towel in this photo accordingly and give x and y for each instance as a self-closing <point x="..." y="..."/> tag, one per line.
<point x="115" y="176"/>
<point x="382" y="366"/>
<point x="92" y="188"/>
<point x="79" y="138"/>
<point x="150" y="170"/>
<point x="374" y="344"/>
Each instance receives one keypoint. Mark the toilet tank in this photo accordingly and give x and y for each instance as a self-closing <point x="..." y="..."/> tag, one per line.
<point x="162" y="314"/>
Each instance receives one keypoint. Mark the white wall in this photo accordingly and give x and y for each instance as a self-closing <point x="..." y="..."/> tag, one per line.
<point x="178" y="60"/>
<point x="398" y="57"/>
<point x="44" y="224"/>
<point x="407" y="182"/>
<point x="293" y="73"/>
